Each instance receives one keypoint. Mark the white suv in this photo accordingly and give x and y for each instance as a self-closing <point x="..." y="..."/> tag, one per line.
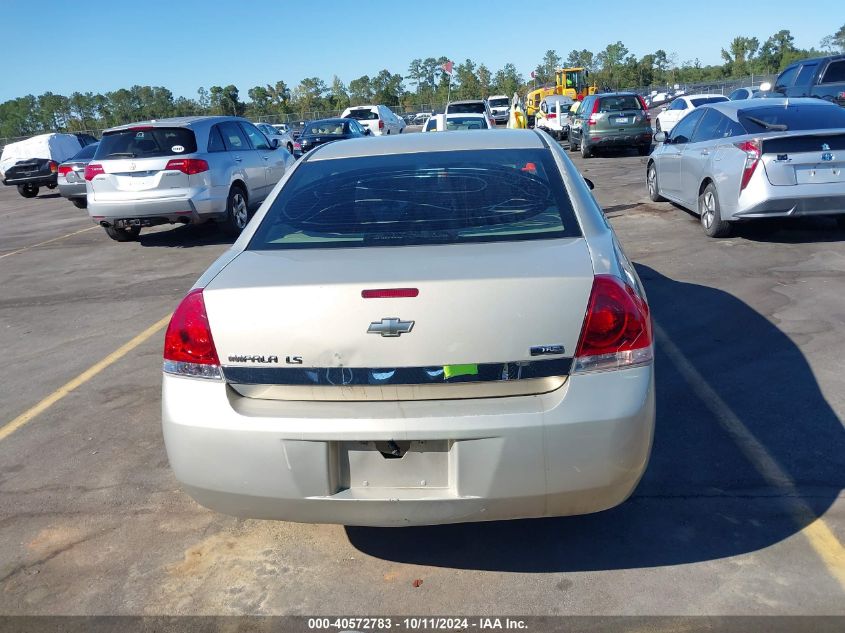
<point x="379" y="119"/>
<point x="181" y="170"/>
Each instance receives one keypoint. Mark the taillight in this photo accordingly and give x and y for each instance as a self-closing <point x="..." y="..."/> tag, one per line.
<point x="551" y="115"/>
<point x="617" y="328"/>
<point x="188" y="346"/>
<point x="296" y="145"/>
<point x="645" y="108"/>
<point x="593" y="114"/>
<point x="752" y="158"/>
<point x="189" y="166"/>
<point x="54" y="166"/>
<point x="93" y="169"/>
<point x="380" y="124"/>
<point x="64" y="170"/>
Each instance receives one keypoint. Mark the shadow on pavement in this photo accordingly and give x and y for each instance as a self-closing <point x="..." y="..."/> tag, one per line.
<point x="186" y="236"/>
<point x="700" y="499"/>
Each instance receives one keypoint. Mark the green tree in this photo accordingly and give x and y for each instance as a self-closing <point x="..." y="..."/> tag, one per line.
<point x="309" y="94"/>
<point x="360" y="90"/>
<point x="485" y="81"/>
<point x="774" y="51"/>
<point x="338" y="95"/>
<point x="581" y="59"/>
<point x="261" y="102"/>
<point x="610" y="61"/>
<point x="507" y="80"/>
<point x="387" y="88"/>
<point x="468" y="86"/>
<point x="740" y="54"/>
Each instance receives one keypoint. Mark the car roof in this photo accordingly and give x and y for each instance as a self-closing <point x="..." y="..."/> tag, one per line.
<point x="732" y="108"/>
<point x="336" y="119"/>
<point x="823" y="58"/>
<point x="176" y="121"/>
<point x="701" y="95"/>
<point x="477" y="115"/>
<point x="418" y="143"/>
<point x="465" y="101"/>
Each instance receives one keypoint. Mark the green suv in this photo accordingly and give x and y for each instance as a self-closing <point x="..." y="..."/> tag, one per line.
<point x="616" y="119"/>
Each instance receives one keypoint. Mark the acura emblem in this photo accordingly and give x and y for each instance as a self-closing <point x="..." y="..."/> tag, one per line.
<point x="391" y="326"/>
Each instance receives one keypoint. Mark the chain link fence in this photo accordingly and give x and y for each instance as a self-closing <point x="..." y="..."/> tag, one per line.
<point x="723" y="87"/>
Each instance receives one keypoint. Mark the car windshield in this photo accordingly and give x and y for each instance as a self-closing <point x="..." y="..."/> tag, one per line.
<point x="425" y="198"/>
<point x="362" y="114"/>
<point x="619" y="103"/>
<point x="465" y="123"/>
<point x="466" y="108"/>
<point x="324" y="128"/>
<point x="793" y="117"/>
<point x="705" y="100"/>
<point x="146" y="142"/>
<point x="499" y="103"/>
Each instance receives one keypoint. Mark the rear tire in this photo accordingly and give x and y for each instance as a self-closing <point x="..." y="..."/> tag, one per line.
<point x="653" y="185"/>
<point x="237" y="212"/>
<point x="657" y="126"/>
<point x="28" y="191"/>
<point x="52" y="186"/>
<point x="586" y="152"/>
<point x="80" y="203"/>
<point x="710" y="214"/>
<point x="290" y="149"/>
<point x="573" y="146"/>
<point x="644" y="150"/>
<point x="123" y="235"/>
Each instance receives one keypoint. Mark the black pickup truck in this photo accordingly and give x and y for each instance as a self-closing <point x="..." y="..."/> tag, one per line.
<point x="822" y="77"/>
<point x="30" y="174"/>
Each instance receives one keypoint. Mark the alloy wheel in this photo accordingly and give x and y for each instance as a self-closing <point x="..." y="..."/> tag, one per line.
<point x="239" y="210"/>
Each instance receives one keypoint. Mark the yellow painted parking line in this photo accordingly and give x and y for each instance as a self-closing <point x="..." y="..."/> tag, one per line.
<point x="820" y="537"/>
<point x="55" y="239"/>
<point x="30" y="414"/>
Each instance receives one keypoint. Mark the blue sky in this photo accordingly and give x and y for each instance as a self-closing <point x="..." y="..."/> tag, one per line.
<point x="184" y="44"/>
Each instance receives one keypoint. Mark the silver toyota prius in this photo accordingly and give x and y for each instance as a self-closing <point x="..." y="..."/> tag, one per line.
<point x="750" y="159"/>
<point x="415" y="329"/>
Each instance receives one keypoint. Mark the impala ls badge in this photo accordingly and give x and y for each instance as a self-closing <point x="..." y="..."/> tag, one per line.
<point x="390" y="327"/>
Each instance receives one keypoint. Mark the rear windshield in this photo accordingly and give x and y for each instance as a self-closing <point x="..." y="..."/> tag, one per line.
<point x="362" y="114"/>
<point x="465" y="123"/>
<point x="705" y="100"/>
<point x="794" y="117"/>
<point x="499" y="103"/>
<point x="147" y="143"/>
<point x="466" y="108"/>
<point x="619" y="103"/>
<point x="325" y="128"/>
<point x="86" y="153"/>
<point x="426" y="198"/>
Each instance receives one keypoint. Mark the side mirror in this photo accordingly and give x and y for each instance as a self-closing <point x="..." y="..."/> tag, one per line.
<point x="589" y="183"/>
<point x="661" y="137"/>
<point x="274" y="143"/>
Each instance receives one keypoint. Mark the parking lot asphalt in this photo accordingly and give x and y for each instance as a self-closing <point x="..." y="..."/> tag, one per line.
<point x="739" y="512"/>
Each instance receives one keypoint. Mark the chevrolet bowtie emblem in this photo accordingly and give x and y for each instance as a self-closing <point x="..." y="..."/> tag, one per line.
<point x="390" y="327"/>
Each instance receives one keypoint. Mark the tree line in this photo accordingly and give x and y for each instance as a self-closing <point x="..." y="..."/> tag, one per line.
<point x="425" y="83"/>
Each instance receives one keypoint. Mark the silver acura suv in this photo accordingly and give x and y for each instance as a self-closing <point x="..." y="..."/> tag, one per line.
<point x="181" y="170"/>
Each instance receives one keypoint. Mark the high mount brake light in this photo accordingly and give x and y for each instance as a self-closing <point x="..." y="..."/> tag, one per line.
<point x="189" y="348"/>
<point x="617" y="328"/>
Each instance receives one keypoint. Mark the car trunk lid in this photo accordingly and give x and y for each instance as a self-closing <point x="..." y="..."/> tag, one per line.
<point x="293" y="324"/>
<point x="805" y="158"/>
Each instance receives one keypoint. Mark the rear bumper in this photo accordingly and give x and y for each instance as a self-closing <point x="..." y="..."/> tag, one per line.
<point x="634" y="138"/>
<point x="73" y="189"/>
<point x="40" y="180"/>
<point x="195" y="207"/>
<point x="576" y="450"/>
<point x="793" y="206"/>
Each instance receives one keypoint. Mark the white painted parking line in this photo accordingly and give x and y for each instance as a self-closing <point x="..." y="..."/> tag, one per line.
<point x="819" y="535"/>
<point x="55" y="239"/>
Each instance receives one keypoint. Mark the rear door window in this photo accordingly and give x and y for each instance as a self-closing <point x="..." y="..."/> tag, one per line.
<point x="466" y="108"/>
<point x="147" y="142"/>
<point x="256" y="138"/>
<point x="835" y="73"/>
<point x="233" y="137"/>
<point x="785" y="79"/>
<point x="706" y="130"/>
<point x="425" y="198"/>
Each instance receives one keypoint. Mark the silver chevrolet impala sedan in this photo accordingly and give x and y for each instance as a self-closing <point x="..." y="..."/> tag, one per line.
<point x="415" y="329"/>
<point x="751" y="159"/>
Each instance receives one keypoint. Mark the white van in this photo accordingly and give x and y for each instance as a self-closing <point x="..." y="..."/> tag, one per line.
<point x="379" y="119"/>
